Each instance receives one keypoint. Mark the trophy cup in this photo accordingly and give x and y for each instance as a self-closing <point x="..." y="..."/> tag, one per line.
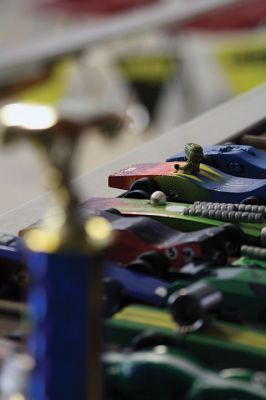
<point x="65" y="262"/>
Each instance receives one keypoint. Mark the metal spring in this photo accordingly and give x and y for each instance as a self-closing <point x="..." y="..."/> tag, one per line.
<point x="253" y="252"/>
<point x="227" y="216"/>
<point x="231" y="207"/>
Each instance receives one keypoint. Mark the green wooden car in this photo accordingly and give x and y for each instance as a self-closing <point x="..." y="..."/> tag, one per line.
<point x="165" y="373"/>
<point x="234" y="294"/>
<point x="217" y="344"/>
<point x="181" y="216"/>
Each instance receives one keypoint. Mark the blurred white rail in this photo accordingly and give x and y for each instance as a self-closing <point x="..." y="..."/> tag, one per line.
<point x="74" y="40"/>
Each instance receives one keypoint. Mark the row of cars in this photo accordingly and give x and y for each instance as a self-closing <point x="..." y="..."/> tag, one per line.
<point x="186" y="311"/>
<point x="179" y="301"/>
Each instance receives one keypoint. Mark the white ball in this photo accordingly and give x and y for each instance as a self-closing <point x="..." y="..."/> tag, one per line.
<point x="158" y="198"/>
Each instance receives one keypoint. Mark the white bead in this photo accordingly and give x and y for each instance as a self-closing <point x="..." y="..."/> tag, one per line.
<point x="158" y="198"/>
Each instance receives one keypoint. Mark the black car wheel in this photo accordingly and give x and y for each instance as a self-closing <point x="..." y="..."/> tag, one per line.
<point x="254" y="200"/>
<point x="136" y="194"/>
<point x="150" y="339"/>
<point x="151" y="263"/>
<point x="234" y="238"/>
<point x="113" y="211"/>
<point x="113" y="296"/>
<point x="219" y="257"/>
<point x="190" y="306"/>
<point x="145" y="185"/>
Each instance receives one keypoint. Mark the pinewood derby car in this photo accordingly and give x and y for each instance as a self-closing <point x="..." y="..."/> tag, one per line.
<point x="157" y="248"/>
<point x="233" y="159"/>
<point x="218" y="344"/>
<point x="232" y="293"/>
<point x="208" y="184"/>
<point x="180" y="215"/>
<point x="163" y="372"/>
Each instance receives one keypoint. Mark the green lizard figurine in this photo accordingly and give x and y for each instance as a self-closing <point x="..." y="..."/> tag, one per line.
<point x="194" y="155"/>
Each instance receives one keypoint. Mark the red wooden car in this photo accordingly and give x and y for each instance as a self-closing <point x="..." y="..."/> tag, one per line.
<point x="208" y="184"/>
<point x="156" y="248"/>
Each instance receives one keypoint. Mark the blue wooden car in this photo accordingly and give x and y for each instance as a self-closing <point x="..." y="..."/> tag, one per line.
<point x="121" y="286"/>
<point x="13" y="272"/>
<point x="233" y="159"/>
<point x="10" y="248"/>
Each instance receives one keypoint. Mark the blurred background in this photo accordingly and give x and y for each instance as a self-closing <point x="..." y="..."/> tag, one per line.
<point x="157" y="79"/>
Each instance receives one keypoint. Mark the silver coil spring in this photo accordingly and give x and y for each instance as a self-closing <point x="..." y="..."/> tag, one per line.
<point x="225" y="215"/>
<point x="253" y="252"/>
<point x="231" y="207"/>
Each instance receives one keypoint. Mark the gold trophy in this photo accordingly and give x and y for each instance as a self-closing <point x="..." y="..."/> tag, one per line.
<point x="65" y="260"/>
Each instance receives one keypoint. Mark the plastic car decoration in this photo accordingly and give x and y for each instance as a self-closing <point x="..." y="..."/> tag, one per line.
<point x="194" y="155"/>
